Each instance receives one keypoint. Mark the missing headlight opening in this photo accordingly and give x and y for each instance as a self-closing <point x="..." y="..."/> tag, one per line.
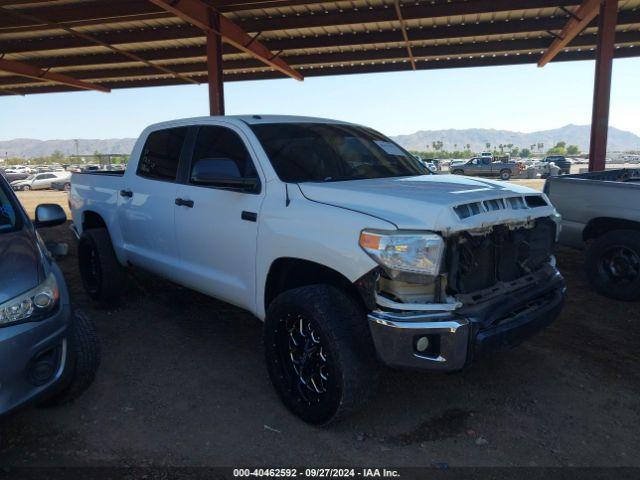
<point x="502" y="258"/>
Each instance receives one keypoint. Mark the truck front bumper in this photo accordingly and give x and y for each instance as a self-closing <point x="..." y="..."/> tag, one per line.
<point x="448" y="341"/>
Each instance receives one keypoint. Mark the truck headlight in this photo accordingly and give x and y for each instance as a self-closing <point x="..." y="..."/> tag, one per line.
<point x="36" y="304"/>
<point x="405" y="251"/>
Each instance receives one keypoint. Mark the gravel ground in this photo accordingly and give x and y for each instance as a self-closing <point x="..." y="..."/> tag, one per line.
<point x="183" y="382"/>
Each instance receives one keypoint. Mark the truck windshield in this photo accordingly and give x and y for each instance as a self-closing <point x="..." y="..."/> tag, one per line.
<point x="322" y="152"/>
<point x="9" y="218"/>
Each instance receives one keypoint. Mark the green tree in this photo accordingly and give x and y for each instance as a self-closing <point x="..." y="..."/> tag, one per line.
<point x="573" y="150"/>
<point x="525" y="153"/>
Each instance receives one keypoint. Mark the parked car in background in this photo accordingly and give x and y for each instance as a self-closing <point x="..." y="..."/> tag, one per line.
<point x="62" y="185"/>
<point x="40" y="181"/>
<point x="562" y="162"/>
<point x="49" y="352"/>
<point x="485" y="167"/>
<point x="430" y="164"/>
<point x="10" y="177"/>
<point x="347" y="248"/>
<point x="601" y="212"/>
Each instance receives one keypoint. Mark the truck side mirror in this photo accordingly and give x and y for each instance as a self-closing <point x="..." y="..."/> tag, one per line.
<point x="221" y="172"/>
<point x="49" y="215"/>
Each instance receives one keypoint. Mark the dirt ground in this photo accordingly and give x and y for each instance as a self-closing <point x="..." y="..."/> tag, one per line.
<point x="183" y="382"/>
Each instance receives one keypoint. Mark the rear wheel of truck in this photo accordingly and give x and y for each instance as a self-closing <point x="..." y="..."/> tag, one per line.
<point x="319" y="357"/>
<point x="505" y="174"/>
<point x="83" y="359"/>
<point x="613" y="264"/>
<point x="101" y="273"/>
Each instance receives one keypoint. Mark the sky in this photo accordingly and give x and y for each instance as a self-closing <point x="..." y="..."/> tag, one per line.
<point x="522" y="98"/>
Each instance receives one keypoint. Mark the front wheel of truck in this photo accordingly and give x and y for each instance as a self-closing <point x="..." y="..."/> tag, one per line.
<point x="319" y="358"/>
<point x="505" y="174"/>
<point x="100" y="271"/>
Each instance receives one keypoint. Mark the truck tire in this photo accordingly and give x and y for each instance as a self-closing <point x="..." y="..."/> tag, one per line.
<point x="458" y="172"/>
<point x="613" y="264"/>
<point x="319" y="353"/>
<point x="26" y="188"/>
<point x="100" y="271"/>
<point x="505" y="174"/>
<point x="83" y="361"/>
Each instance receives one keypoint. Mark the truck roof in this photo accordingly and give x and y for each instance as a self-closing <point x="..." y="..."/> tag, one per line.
<point x="249" y="119"/>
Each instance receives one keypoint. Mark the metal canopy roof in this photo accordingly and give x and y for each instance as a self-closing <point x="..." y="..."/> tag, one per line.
<point x="134" y="43"/>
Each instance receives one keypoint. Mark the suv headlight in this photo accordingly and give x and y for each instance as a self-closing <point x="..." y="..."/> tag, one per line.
<point x="36" y="304"/>
<point x="405" y="251"/>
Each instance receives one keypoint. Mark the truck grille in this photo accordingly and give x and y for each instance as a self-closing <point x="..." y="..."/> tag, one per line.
<point x="467" y="210"/>
<point x="476" y="262"/>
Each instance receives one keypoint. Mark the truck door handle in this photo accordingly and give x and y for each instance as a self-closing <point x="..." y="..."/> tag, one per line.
<point x="249" y="216"/>
<point x="181" y="202"/>
<point x="126" y="193"/>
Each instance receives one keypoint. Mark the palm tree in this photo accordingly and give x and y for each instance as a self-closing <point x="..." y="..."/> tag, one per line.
<point x="488" y="145"/>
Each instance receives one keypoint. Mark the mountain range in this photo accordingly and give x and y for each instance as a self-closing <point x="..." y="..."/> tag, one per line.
<point x="619" y="140"/>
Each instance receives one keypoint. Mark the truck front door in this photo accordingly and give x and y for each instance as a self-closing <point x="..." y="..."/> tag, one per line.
<point x="147" y="203"/>
<point x="216" y="222"/>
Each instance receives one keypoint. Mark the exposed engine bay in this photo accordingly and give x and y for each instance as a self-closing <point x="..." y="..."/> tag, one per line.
<point x="477" y="265"/>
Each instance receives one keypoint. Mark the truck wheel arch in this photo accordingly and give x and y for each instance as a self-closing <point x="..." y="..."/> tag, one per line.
<point x="598" y="226"/>
<point x="287" y="273"/>
<point x="91" y="219"/>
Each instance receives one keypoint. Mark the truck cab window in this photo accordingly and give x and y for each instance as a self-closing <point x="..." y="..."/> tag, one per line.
<point x="223" y="151"/>
<point x="161" y="154"/>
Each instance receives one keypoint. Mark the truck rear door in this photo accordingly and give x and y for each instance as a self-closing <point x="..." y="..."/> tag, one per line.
<point x="147" y="203"/>
<point x="216" y="221"/>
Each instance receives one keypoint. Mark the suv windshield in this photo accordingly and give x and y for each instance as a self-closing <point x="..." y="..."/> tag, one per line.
<point x="323" y="152"/>
<point x="9" y="217"/>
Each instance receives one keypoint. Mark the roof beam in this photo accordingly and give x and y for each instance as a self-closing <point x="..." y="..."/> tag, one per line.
<point x="405" y="36"/>
<point x="199" y="14"/>
<point x="31" y="71"/>
<point x="578" y="21"/>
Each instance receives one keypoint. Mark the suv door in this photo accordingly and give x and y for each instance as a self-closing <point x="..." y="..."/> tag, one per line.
<point x="216" y="223"/>
<point x="146" y="204"/>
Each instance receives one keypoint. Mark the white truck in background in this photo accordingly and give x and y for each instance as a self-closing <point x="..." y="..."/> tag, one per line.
<point x="343" y="243"/>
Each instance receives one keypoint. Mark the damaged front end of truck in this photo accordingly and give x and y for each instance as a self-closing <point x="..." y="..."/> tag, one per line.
<point x="494" y="284"/>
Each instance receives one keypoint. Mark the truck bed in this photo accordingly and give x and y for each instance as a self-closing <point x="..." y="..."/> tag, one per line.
<point x="622" y="175"/>
<point x="583" y="197"/>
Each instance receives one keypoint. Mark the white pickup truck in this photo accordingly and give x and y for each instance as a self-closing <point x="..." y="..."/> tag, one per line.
<point x="343" y="243"/>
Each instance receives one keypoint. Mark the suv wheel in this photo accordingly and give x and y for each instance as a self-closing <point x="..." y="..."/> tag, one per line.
<point x="319" y="357"/>
<point x="100" y="271"/>
<point x="83" y="359"/>
<point x="613" y="264"/>
<point x="26" y="188"/>
<point x="505" y="174"/>
<point x="458" y="172"/>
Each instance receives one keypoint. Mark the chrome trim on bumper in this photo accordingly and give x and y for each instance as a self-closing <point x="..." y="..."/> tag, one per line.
<point x="394" y="338"/>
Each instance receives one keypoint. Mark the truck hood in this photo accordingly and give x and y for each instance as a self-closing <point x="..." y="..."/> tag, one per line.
<point x="20" y="264"/>
<point x="434" y="202"/>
